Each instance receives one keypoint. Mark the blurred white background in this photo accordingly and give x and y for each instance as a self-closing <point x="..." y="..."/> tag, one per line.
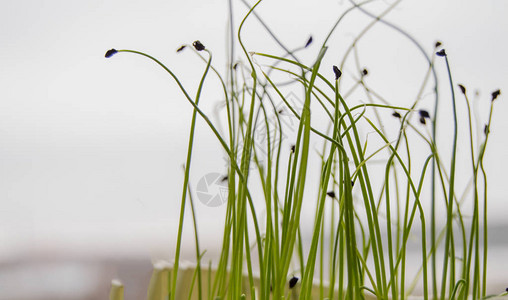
<point x="91" y="148"/>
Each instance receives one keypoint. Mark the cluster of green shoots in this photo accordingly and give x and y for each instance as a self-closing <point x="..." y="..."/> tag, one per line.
<point x="362" y="222"/>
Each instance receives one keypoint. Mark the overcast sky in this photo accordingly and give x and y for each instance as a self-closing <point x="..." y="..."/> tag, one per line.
<point x="91" y="149"/>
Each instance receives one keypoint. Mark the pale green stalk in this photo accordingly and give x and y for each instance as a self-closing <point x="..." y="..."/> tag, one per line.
<point x="449" y="223"/>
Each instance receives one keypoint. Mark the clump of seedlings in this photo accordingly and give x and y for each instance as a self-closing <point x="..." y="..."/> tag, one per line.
<point x="370" y="199"/>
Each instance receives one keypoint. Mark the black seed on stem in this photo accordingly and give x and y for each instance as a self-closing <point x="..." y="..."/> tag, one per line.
<point x="309" y="41"/>
<point x="198" y="46"/>
<point x="181" y="48"/>
<point x="396" y="115"/>
<point x="293" y="148"/>
<point x="422" y="120"/>
<point x="110" y="53"/>
<point x="365" y="72"/>
<point x="438" y="44"/>
<point x="424" y="114"/>
<point x="486" y="129"/>
<point x="441" y="52"/>
<point x="495" y="94"/>
<point x="352" y="183"/>
<point x="235" y="66"/>
<point x="331" y="194"/>
<point x="337" y="72"/>
<point x="506" y="289"/>
<point x="292" y="282"/>
<point x="462" y="89"/>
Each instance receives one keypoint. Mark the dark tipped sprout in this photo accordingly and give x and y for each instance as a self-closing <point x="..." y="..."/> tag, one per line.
<point x="198" y="46"/>
<point x="438" y="44"/>
<point x="292" y="282"/>
<point x="293" y="148"/>
<point x="495" y="94"/>
<point x="462" y="89"/>
<point x="110" y="53"/>
<point x="181" y="48"/>
<point x="396" y="115"/>
<point x="422" y="120"/>
<point x="309" y="41"/>
<point x="441" y="52"/>
<point x="365" y="72"/>
<point x="337" y="72"/>
<point x="424" y="114"/>
<point x="331" y="194"/>
<point x="486" y="129"/>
